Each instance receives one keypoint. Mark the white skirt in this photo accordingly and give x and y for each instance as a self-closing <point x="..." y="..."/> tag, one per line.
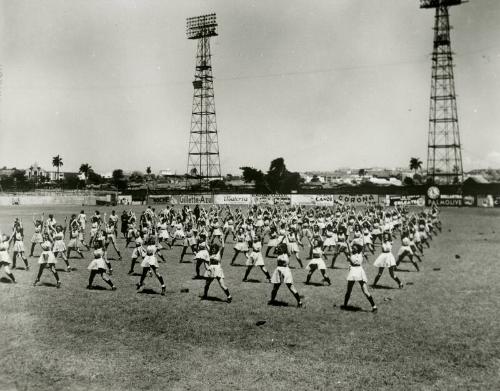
<point x="179" y="234"/>
<point x="73" y="244"/>
<point x="59" y="246"/>
<point x="293" y="247"/>
<point x="4" y="258"/>
<point x="273" y="242"/>
<point x="97" y="264"/>
<point x="257" y="261"/>
<point x="282" y="274"/>
<point x="316" y="263"/>
<point x="19" y="246"/>
<point x="138" y="252"/>
<point x="51" y="259"/>
<point x="214" y="271"/>
<point x="385" y="260"/>
<point x="164" y="235"/>
<point x="189" y="242"/>
<point x="329" y="242"/>
<point x="149" y="260"/>
<point x="241" y="246"/>
<point x="37" y="238"/>
<point x="356" y="273"/>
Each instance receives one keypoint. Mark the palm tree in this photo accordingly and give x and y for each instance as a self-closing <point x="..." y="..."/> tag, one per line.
<point x="85" y="168"/>
<point x="57" y="162"/>
<point x="415" y="164"/>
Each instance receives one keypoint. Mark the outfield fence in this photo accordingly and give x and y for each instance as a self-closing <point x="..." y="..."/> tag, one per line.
<point x="328" y="200"/>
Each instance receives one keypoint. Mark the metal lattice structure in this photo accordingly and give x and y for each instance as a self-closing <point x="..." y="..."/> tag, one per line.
<point x="444" y="155"/>
<point x="203" y="153"/>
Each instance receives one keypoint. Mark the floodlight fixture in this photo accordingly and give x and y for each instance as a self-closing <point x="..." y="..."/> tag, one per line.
<point x="439" y="3"/>
<point x="201" y="26"/>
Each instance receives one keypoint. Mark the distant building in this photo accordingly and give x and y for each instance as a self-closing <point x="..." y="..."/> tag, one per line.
<point x="167" y="172"/>
<point x="35" y="172"/>
<point x="4" y="171"/>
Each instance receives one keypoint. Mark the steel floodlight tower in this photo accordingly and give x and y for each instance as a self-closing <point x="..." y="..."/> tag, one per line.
<point x="203" y="153"/>
<point x="444" y="154"/>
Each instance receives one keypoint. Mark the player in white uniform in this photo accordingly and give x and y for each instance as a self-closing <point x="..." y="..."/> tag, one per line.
<point x="214" y="272"/>
<point x="5" y="260"/>
<point x="151" y="263"/>
<point x="138" y="252"/>
<point x="317" y="262"/>
<point x="283" y="274"/>
<point x="356" y="273"/>
<point x="202" y="256"/>
<point x="47" y="260"/>
<point x="37" y="235"/>
<point x="18" y="249"/>
<point x="74" y="237"/>
<point x="98" y="267"/>
<point x="59" y="248"/>
<point x="386" y="260"/>
<point x="255" y="258"/>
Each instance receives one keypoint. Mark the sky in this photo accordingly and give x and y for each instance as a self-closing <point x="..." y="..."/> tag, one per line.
<point x="322" y="83"/>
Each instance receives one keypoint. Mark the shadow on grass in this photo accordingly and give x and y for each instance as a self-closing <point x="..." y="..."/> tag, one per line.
<point x="404" y="270"/>
<point x="278" y="303"/>
<point x="212" y="298"/>
<point x="148" y="291"/>
<point x="5" y="280"/>
<point x="313" y="283"/>
<point x="352" y="308"/>
<point x="73" y="269"/>
<point x="237" y="265"/>
<point x="47" y="284"/>
<point x="98" y="288"/>
<point x="252" y="280"/>
<point x="382" y="287"/>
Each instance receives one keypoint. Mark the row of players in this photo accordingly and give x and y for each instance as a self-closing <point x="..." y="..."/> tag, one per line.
<point x="209" y="252"/>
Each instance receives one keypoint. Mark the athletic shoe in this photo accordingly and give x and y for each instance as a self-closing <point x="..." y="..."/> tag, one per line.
<point x="36" y="281"/>
<point x="58" y="284"/>
<point x="229" y="299"/>
<point x="374" y="309"/>
<point x="113" y="288"/>
<point x="163" y="289"/>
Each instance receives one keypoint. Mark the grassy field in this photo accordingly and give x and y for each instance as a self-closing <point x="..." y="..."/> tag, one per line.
<point x="442" y="331"/>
